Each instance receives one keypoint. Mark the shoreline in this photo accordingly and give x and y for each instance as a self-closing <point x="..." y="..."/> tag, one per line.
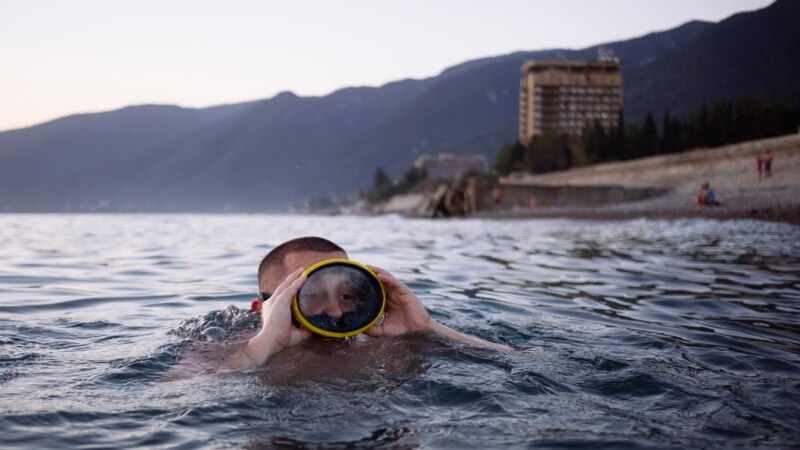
<point x="729" y="169"/>
<point x="766" y="214"/>
<point x="775" y="204"/>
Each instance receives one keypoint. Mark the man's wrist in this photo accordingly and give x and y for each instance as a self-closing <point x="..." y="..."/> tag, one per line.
<point x="260" y="348"/>
<point x="436" y="327"/>
<point x="452" y="334"/>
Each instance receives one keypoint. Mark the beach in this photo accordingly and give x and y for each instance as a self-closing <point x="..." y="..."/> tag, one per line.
<point x="730" y="170"/>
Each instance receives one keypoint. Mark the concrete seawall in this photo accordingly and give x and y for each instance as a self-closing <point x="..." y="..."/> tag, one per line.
<point x="516" y="196"/>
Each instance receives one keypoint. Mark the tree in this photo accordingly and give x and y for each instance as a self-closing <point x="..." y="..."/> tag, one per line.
<point x="697" y="134"/>
<point x="595" y="142"/>
<point x="719" y="122"/>
<point x="643" y="140"/>
<point x="382" y="187"/>
<point x="648" y="144"/>
<point x="548" y="152"/>
<point x="380" y="180"/>
<point x="776" y="118"/>
<point x="619" y="146"/>
<point x="745" y="123"/>
<point x="577" y="153"/>
<point x="509" y="158"/>
<point x="670" y="134"/>
<point x="411" y="178"/>
<point x="633" y="134"/>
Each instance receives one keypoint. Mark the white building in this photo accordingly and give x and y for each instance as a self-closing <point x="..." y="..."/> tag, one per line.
<point x="448" y="165"/>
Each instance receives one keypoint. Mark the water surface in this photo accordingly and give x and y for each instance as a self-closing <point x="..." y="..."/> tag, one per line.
<point x="634" y="334"/>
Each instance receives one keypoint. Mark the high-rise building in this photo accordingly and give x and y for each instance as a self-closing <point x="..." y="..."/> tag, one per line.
<point x="566" y="97"/>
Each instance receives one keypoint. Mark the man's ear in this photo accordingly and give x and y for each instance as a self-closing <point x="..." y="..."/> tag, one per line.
<point x="255" y="305"/>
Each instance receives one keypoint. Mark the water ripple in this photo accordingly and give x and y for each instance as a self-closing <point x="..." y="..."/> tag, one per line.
<point x="637" y="334"/>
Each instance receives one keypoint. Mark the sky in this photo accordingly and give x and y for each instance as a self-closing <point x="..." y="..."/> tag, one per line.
<point x="65" y="57"/>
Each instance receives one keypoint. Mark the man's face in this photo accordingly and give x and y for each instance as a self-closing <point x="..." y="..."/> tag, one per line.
<point x="292" y="262"/>
<point x="327" y="290"/>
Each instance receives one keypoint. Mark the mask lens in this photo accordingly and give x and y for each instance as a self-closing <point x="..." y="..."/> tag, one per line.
<point x="340" y="298"/>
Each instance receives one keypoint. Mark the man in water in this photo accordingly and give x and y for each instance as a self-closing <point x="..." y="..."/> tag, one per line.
<point x="280" y="276"/>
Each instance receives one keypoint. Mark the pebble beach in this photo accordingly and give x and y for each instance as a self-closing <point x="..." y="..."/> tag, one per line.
<point x="731" y="172"/>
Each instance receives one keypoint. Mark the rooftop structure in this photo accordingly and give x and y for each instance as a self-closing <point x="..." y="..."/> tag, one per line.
<point x="566" y="97"/>
<point x="448" y="165"/>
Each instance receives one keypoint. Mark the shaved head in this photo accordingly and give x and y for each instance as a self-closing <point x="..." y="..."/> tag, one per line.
<point x="281" y="260"/>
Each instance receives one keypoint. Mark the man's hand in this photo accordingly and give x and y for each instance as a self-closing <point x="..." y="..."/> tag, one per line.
<point x="277" y="331"/>
<point x="404" y="312"/>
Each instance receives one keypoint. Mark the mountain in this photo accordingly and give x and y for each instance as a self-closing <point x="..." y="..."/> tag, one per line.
<point x="473" y="107"/>
<point x="755" y="54"/>
<point x="270" y="154"/>
<point x="273" y="153"/>
<point x="41" y="159"/>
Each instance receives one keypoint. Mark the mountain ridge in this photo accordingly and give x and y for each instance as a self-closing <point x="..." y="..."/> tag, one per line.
<point x="272" y="154"/>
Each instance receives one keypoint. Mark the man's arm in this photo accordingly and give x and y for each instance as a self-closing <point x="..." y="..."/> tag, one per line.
<point x="406" y="314"/>
<point x="277" y="332"/>
<point x="462" y="337"/>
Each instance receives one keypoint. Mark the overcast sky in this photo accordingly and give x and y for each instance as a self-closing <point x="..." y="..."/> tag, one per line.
<point x="64" y="57"/>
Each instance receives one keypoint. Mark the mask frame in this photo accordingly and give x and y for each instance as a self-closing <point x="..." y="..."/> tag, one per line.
<point x="334" y="334"/>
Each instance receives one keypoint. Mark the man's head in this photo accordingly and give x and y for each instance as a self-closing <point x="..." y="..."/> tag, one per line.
<point x="290" y="256"/>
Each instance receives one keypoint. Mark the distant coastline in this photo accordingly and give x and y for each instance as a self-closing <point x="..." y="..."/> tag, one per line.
<point x="731" y="171"/>
<point x="772" y="204"/>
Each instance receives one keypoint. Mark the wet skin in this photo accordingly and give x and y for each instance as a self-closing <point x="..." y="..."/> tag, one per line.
<point x="404" y="312"/>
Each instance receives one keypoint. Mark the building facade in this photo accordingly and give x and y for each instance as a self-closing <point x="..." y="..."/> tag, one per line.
<point x="448" y="165"/>
<point x="566" y="97"/>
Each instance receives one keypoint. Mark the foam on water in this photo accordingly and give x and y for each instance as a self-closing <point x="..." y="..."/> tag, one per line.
<point x="635" y="334"/>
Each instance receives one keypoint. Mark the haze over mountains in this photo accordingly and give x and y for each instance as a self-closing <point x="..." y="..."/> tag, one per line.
<point x="271" y="154"/>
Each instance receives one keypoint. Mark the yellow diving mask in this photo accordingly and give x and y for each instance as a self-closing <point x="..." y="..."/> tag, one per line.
<point x="340" y="298"/>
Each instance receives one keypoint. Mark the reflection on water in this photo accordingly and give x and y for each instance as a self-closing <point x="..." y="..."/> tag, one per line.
<point x="629" y="334"/>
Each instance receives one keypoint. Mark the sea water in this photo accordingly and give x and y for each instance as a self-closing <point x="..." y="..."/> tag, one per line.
<point x="627" y="334"/>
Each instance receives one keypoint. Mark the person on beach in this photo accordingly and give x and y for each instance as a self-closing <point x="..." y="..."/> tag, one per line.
<point x="767" y="158"/>
<point x="497" y="197"/>
<point x="760" y="166"/>
<point x="706" y="196"/>
<point x="280" y="276"/>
